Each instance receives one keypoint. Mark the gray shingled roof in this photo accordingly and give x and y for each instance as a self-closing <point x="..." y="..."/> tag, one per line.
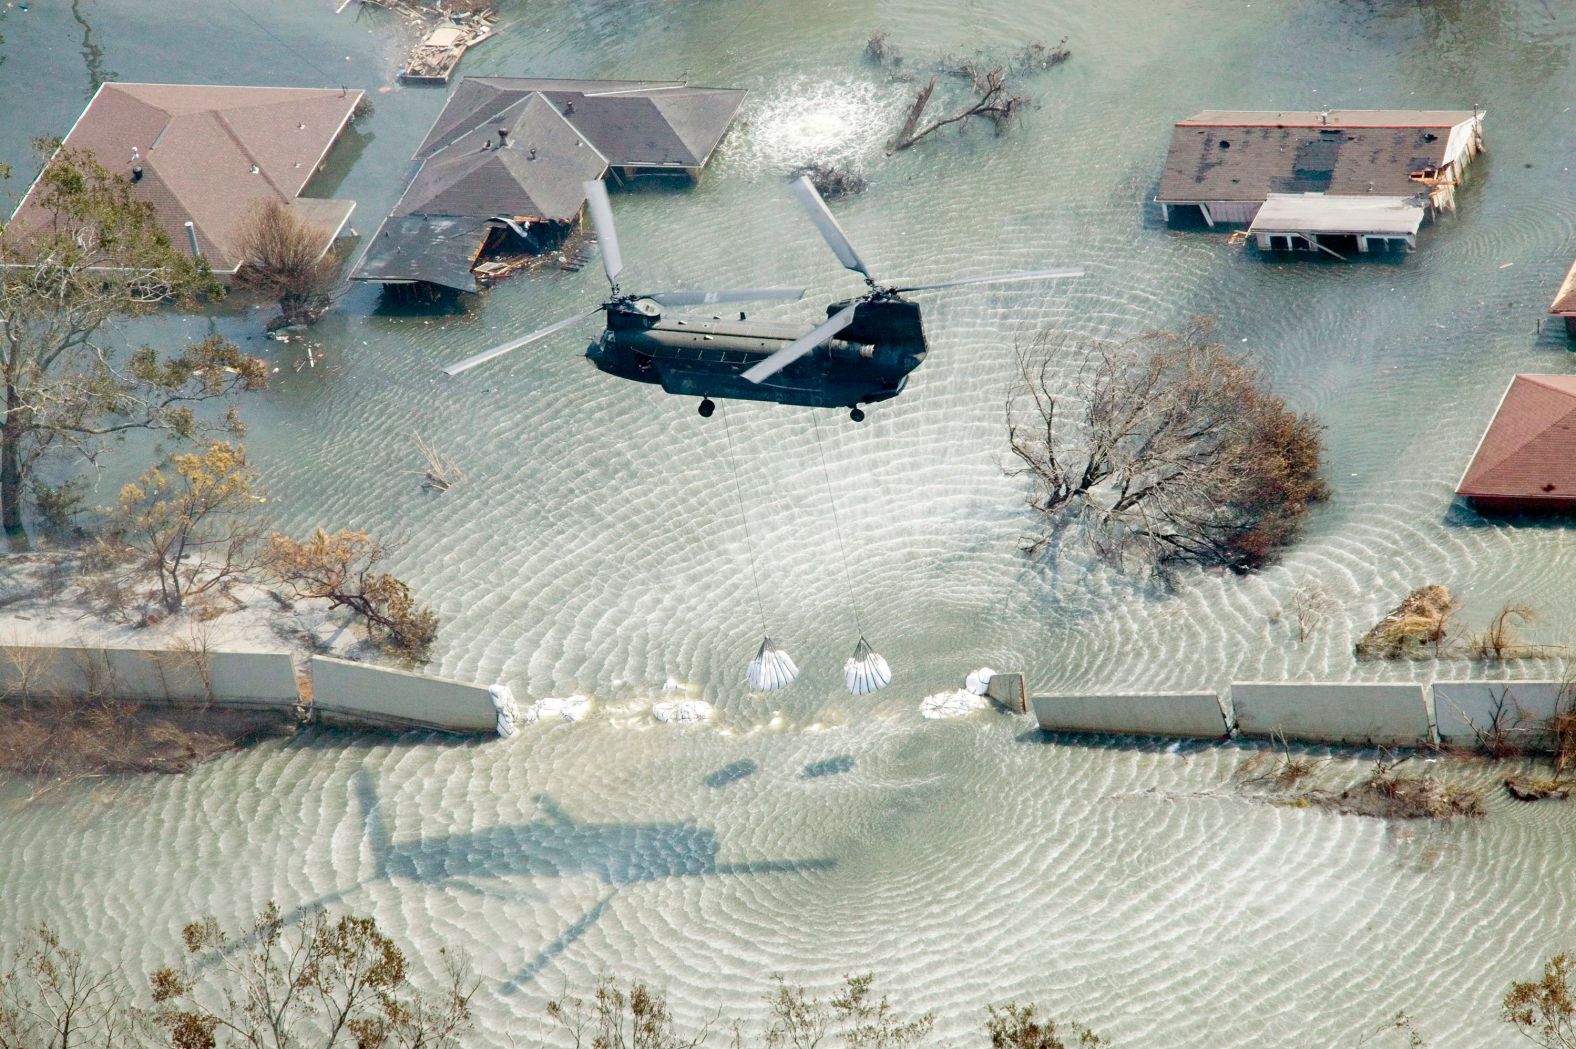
<point x="536" y="174"/>
<point x="561" y="133"/>
<point x="1247" y="156"/>
<point x="632" y="122"/>
<point x="424" y="248"/>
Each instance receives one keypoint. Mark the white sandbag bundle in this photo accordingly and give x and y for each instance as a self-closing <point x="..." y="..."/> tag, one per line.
<point x="866" y="672"/>
<point x="503" y="703"/>
<point x="681" y="712"/>
<point x="958" y="703"/>
<point x="771" y="669"/>
<point x="979" y="680"/>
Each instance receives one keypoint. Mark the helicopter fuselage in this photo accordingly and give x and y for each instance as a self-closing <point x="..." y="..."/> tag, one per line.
<point x="706" y="356"/>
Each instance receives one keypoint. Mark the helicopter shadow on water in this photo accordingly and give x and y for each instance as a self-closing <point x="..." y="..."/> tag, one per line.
<point x="552" y="845"/>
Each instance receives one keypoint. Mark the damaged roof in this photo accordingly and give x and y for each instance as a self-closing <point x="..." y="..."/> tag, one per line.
<point x="1246" y="156"/>
<point x="210" y="154"/>
<point x="557" y="135"/>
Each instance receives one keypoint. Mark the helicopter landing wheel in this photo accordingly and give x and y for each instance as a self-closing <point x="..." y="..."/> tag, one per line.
<point x="707" y="406"/>
<point x="856" y="414"/>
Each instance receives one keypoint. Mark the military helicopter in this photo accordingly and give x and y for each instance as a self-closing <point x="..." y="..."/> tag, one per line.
<point x="862" y="353"/>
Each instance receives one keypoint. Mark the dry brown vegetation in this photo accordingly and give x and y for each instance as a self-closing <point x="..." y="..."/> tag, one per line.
<point x="192" y="521"/>
<point x="1383" y="794"/>
<point x="1423" y="626"/>
<point x="1276" y="766"/>
<point x="345" y="570"/>
<point x="1500" y="640"/>
<point x="71" y="738"/>
<point x="1544" y="1010"/>
<point x="287" y="260"/>
<point x="1174" y="452"/>
<point x="1414" y="629"/>
<point x="309" y="981"/>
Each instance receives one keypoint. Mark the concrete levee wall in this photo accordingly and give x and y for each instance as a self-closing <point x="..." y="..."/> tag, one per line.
<point x="1467" y="713"/>
<point x="260" y="679"/>
<point x="1392" y="715"/>
<point x="1195" y="714"/>
<point x="346" y="693"/>
<point x="1008" y="692"/>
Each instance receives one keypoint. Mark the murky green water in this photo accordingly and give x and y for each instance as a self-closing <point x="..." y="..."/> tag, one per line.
<point x="597" y="547"/>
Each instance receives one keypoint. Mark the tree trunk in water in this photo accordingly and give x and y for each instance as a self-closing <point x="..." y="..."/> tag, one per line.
<point x="11" y="467"/>
<point x="905" y="136"/>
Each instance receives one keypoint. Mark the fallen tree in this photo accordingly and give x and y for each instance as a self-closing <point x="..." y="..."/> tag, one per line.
<point x="992" y="92"/>
<point x="345" y="570"/>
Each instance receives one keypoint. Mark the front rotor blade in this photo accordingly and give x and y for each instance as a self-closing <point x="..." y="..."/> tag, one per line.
<point x="816" y="208"/>
<point x="802" y="345"/>
<point x="706" y="298"/>
<point x="606" y="235"/>
<point x="498" y="351"/>
<point x="995" y="278"/>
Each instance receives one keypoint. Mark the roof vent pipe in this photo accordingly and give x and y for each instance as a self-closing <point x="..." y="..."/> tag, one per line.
<point x="191" y="234"/>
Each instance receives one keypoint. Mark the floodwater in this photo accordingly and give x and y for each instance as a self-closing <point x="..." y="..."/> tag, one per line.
<point x="598" y="546"/>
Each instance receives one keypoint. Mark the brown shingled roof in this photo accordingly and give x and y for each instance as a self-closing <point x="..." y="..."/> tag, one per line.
<point x="199" y="144"/>
<point x="1564" y="304"/>
<point x="1246" y="156"/>
<point x="1528" y="453"/>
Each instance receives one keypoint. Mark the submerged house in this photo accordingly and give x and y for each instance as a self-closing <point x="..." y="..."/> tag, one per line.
<point x="1526" y="461"/>
<point x="1564" y="304"/>
<point x="205" y="156"/>
<point x="501" y="170"/>
<point x="1343" y="181"/>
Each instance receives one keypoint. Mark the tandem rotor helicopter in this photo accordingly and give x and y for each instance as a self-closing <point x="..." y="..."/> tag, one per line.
<point x="862" y="353"/>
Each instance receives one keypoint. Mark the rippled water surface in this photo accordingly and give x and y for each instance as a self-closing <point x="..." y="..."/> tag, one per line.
<point x="597" y="545"/>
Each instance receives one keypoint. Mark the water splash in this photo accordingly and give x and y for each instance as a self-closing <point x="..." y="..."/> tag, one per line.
<point x="815" y="119"/>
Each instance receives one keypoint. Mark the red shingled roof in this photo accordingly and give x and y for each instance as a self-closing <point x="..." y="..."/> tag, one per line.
<point x="1527" y="456"/>
<point x="210" y="153"/>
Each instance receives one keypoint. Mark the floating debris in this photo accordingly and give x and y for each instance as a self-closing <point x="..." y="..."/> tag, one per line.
<point x="433" y="60"/>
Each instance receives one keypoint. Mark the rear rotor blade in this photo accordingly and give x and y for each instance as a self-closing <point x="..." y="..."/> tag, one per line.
<point x="802" y="345"/>
<point x="498" y="351"/>
<point x="606" y="235"/>
<point x="700" y="297"/>
<point x="816" y="208"/>
<point x="995" y="278"/>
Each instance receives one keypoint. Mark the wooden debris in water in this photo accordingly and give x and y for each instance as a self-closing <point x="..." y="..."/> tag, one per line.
<point x="433" y="60"/>
<point x="1532" y="788"/>
<point x="442" y="472"/>
<point x="1414" y="629"/>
